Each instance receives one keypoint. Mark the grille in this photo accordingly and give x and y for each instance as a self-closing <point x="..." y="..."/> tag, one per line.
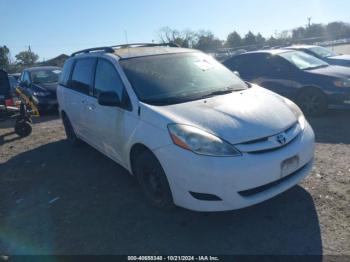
<point x="270" y="143"/>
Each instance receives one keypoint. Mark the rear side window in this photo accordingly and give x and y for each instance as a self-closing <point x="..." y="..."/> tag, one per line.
<point x="82" y="76"/>
<point x="67" y="68"/>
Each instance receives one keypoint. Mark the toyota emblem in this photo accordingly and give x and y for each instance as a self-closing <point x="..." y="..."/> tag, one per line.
<point x="281" y="138"/>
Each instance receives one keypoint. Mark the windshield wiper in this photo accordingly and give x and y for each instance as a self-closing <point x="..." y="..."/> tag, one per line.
<point x="188" y="98"/>
<point x="166" y="101"/>
<point x="219" y="92"/>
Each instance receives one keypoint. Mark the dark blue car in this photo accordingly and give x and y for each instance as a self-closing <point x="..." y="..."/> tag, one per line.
<point x="40" y="84"/>
<point x="310" y="82"/>
<point x="323" y="53"/>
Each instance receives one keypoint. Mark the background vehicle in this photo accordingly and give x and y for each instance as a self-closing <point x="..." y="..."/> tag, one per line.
<point x="14" y="82"/>
<point x="5" y="88"/>
<point x="21" y="115"/>
<point x="311" y="82"/>
<point x="40" y="84"/>
<point x="192" y="132"/>
<point x="323" y="53"/>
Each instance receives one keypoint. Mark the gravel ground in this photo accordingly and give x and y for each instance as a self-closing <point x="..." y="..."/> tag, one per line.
<point x="57" y="199"/>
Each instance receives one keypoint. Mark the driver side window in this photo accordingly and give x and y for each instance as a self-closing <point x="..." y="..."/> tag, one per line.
<point x="26" y="78"/>
<point x="276" y="64"/>
<point x="107" y="80"/>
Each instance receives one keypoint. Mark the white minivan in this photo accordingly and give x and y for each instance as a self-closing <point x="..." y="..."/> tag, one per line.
<point x="192" y="132"/>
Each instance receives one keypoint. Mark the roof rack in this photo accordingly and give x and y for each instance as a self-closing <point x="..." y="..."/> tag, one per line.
<point x="146" y="45"/>
<point x="106" y="49"/>
<point x="110" y="49"/>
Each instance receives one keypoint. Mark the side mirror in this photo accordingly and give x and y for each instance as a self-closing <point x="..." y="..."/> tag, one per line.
<point x="109" y="99"/>
<point x="237" y="73"/>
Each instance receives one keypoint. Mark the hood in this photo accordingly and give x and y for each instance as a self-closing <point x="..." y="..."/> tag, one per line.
<point x="51" y="87"/>
<point x="237" y="117"/>
<point x="332" y="71"/>
<point x="343" y="60"/>
<point x="340" y="57"/>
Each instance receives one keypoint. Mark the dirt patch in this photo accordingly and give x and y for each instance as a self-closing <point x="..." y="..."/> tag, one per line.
<point x="57" y="199"/>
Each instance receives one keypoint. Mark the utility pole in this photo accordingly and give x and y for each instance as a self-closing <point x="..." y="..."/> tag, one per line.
<point x="31" y="55"/>
<point x="126" y="37"/>
<point x="309" y="21"/>
<point x="10" y="57"/>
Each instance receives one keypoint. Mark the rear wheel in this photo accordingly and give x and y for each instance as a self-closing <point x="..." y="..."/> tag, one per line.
<point x="312" y="102"/>
<point x="71" y="136"/>
<point x="153" y="180"/>
<point x="23" y="128"/>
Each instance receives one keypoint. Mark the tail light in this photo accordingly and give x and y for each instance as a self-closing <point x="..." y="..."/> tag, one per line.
<point x="9" y="102"/>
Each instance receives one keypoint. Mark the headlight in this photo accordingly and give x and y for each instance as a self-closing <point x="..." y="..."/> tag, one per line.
<point x="342" y="83"/>
<point x="200" y="142"/>
<point x="297" y="112"/>
<point x="40" y="93"/>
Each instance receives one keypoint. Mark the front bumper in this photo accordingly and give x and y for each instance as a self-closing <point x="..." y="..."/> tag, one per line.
<point x="340" y="99"/>
<point x="45" y="103"/>
<point x="226" y="177"/>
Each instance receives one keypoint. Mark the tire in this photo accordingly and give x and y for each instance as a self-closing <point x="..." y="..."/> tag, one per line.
<point x="70" y="134"/>
<point x="153" y="181"/>
<point x="312" y="102"/>
<point x="23" y="128"/>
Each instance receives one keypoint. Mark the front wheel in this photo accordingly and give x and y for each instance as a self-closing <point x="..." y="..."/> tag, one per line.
<point x="313" y="102"/>
<point x="71" y="136"/>
<point x="153" y="181"/>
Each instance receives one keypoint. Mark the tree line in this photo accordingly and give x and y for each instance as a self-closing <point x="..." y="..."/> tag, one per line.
<point x="26" y="58"/>
<point x="207" y="41"/>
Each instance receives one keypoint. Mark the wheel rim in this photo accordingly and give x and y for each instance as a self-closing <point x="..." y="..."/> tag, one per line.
<point x="311" y="103"/>
<point x="23" y="129"/>
<point x="153" y="185"/>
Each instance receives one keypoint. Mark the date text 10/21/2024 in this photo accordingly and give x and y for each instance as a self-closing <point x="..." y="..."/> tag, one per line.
<point x="173" y="258"/>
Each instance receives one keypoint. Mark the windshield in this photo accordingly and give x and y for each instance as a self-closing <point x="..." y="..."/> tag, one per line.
<point x="302" y="60"/>
<point x="322" y="52"/>
<point x="45" y="76"/>
<point x="177" y="78"/>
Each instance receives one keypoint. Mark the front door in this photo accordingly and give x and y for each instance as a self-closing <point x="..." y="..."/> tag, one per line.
<point x="107" y="124"/>
<point x="279" y="77"/>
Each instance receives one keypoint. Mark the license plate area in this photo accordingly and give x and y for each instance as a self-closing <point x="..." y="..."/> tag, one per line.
<point x="289" y="165"/>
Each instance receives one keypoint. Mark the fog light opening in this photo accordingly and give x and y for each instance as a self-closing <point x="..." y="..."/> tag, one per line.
<point x="205" y="197"/>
